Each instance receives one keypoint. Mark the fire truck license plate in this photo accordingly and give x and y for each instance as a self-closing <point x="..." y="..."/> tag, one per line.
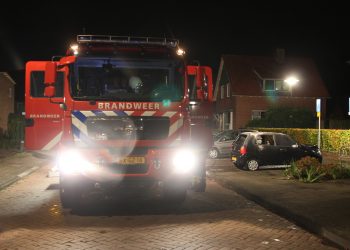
<point x="132" y="160"/>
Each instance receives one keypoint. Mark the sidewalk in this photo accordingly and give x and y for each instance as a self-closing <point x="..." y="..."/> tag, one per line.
<point x="15" y="165"/>
<point x="322" y="208"/>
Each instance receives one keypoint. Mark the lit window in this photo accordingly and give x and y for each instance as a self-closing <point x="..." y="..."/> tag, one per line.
<point x="258" y="114"/>
<point x="275" y="85"/>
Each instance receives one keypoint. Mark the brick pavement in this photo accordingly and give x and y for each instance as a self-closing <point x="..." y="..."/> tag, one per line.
<point x="15" y="165"/>
<point x="323" y="208"/>
<point x="31" y="218"/>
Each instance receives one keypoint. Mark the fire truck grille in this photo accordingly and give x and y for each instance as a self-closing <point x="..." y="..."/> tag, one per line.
<point x="127" y="169"/>
<point x="128" y="128"/>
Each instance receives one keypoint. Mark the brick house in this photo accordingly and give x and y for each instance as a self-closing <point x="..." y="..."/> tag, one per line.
<point x="7" y="99"/>
<point x="247" y="86"/>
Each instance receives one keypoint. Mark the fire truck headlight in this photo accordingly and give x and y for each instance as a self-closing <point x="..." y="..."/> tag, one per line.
<point x="71" y="162"/>
<point x="184" y="161"/>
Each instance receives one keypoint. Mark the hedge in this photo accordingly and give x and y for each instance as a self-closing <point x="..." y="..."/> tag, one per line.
<point x="332" y="140"/>
<point x="15" y="133"/>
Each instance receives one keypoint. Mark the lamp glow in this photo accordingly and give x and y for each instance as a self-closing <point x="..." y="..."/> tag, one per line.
<point x="184" y="161"/>
<point x="180" y="52"/>
<point x="291" y="81"/>
<point x="75" y="49"/>
<point x="71" y="162"/>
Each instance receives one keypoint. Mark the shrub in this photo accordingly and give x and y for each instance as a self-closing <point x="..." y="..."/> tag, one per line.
<point x="333" y="171"/>
<point x="309" y="170"/>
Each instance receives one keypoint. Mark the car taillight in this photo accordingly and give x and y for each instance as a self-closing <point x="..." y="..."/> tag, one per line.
<point x="243" y="150"/>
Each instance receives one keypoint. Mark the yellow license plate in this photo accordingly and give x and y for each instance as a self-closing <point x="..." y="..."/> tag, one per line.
<point x="132" y="160"/>
<point x="234" y="158"/>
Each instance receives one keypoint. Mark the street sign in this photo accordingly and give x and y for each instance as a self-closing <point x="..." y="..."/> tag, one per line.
<point x="318" y="110"/>
<point x="318" y="105"/>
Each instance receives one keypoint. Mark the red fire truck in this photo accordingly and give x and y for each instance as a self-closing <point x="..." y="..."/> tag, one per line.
<point x="125" y="114"/>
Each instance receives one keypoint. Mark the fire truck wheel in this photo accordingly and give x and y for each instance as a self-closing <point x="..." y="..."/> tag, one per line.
<point x="200" y="181"/>
<point x="69" y="198"/>
<point x="201" y="185"/>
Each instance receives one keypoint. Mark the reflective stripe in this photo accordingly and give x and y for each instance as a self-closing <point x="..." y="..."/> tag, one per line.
<point x="169" y="113"/>
<point x="175" y="126"/>
<point x="53" y="142"/>
<point x="79" y="118"/>
<point x="148" y="113"/>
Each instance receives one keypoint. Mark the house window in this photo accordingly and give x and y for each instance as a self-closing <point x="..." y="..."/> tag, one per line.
<point x="222" y="91"/>
<point x="275" y="85"/>
<point x="258" y="114"/>
<point x="228" y="92"/>
<point x="269" y="85"/>
<point x="10" y="92"/>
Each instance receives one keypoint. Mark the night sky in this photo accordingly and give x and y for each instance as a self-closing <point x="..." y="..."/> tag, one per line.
<point x="206" y="31"/>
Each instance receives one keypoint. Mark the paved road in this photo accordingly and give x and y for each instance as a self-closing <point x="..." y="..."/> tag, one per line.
<point x="31" y="218"/>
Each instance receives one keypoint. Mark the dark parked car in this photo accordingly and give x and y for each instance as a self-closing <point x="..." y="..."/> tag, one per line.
<point x="223" y="142"/>
<point x="253" y="150"/>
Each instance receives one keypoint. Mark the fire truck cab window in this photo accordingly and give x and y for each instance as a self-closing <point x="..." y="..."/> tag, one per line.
<point x="37" y="85"/>
<point x="124" y="80"/>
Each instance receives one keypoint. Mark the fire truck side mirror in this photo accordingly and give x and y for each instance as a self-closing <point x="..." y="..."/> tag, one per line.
<point x="50" y="73"/>
<point x="202" y="89"/>
<point x="49" y="91"/>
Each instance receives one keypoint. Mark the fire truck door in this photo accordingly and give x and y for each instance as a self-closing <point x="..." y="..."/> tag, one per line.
<point x="201" y="109"/>
<point x="44" y="117"/>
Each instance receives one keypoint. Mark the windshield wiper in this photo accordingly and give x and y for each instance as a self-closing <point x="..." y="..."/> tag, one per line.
<point x="96" y="98"/>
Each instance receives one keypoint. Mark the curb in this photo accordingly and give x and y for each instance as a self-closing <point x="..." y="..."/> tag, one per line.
<point x="18" y="177"/>
<point x="41" y="155"/>
<point x="284" y="212"/>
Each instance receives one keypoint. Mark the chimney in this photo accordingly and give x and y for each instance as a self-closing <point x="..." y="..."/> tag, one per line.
<point x="280" y="55"/>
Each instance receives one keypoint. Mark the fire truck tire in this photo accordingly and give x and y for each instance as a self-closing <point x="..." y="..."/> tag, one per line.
<point x="69" y="198"/>
<point x="201" y="186"/>
<point x="201" y="181"/>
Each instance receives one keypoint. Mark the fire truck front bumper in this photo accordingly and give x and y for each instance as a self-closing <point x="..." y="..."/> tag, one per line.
<point x="90" y="171"/>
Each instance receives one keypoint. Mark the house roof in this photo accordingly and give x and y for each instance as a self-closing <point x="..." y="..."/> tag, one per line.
<point x="4" y="75"/>
<point x="246" y="73"/>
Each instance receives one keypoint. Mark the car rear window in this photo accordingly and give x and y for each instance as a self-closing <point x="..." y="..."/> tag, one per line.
<point x="238" y="143"/>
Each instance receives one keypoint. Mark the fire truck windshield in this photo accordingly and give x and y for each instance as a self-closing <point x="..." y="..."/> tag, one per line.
<point x="129" y="80"/>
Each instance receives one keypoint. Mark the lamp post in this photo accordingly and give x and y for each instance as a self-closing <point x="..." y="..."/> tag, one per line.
<point x="291" y="81"/>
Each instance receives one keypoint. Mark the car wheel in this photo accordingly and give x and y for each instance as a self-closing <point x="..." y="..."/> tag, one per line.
<point x="213" y="153"/>
<point x="252" y="165"/>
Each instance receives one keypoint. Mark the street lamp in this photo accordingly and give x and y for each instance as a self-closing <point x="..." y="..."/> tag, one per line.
<point x="291" y="81"/>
